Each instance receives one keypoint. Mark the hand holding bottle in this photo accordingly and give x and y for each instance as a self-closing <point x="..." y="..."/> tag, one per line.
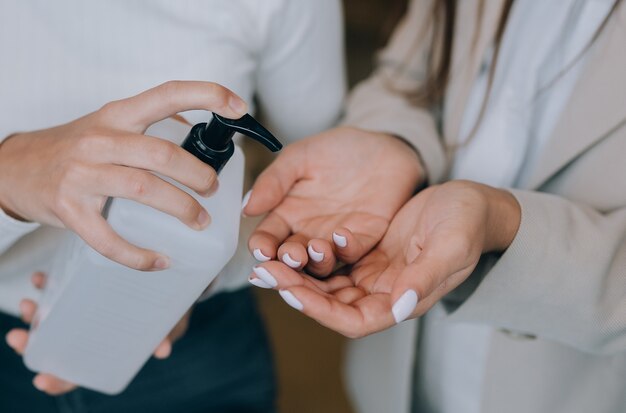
<point x="433" y="244"/>
<point x="331" y="197"/>
<point x="63" y="176"/>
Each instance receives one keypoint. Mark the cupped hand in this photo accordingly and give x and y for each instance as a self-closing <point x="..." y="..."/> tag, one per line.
<point x="63" y="176"/>
<point x="432" y="245"/>
<point x="331" y="197"/>
<point x="17" y="339"/>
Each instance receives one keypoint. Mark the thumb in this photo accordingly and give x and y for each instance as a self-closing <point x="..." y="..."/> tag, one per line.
<point x="273" y="185"/>
<point x="416" y="282"/>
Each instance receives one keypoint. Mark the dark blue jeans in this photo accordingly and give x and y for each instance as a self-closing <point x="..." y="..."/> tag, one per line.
<point x="222" y="364"/>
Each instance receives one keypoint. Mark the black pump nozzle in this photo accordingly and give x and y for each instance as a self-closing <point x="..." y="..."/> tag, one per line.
<point x="212" y="143"/>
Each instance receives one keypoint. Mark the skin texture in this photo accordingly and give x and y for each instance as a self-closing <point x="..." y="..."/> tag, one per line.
<point x="317" y="188"/>
<point x="17" y="339"/>
<point x="432" y="245"/>
<point x="62" y="176"/>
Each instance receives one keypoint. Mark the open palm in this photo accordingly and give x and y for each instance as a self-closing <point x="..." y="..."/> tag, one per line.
<point x="431" y="246"/>
<point x="331" y="197"/>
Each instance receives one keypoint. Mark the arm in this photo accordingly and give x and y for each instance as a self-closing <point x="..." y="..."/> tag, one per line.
<point x="563" y="277"/>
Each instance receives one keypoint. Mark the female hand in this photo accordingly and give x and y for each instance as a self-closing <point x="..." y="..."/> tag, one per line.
<point x="331" y="196"/>
<point x="432" y="245"/>
<point x="63" y="176"/>
<point x="17" y="339"/>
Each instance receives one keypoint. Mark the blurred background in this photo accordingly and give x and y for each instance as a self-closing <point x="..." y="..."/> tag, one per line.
<point x="308" y="356"/>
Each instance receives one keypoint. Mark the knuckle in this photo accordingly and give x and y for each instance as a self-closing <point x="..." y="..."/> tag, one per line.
<point x="109" y="109"/>
<point x="163" y="153"/>
<point x="138" y="185"/>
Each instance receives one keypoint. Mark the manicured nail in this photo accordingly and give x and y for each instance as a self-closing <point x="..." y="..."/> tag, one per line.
<point x="404" y="306"/>
<point x="237" y="105"/>
<point x="244" y="202"/>
<point x="315" y="256"/>
<point x="265" y="275"/>
<point x="339" y="240"/>
<point x="203" y="219"/>
<point x="290" y="261"/>
<point x="291" y="299"/>
<point x="161" y="263"/>
<point x="259" y="256"/>
<point x="257" y="282"/>
<point x="38" y="383"/>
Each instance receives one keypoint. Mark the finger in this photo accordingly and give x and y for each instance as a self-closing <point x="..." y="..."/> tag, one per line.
<point x="27" y="310"/>
<point x="362" y="317"/>
<point x="148" y="189"/>
<point x="140" y="111"/>
<point x="38" y="280"/>
<point x="96" y="232"/>
<point x="321" y="260"/>
<point x="357" y="236"/>
<point x="293" y="251"/>
<point x="274" y="183"/>
<point x="52" y="385"/>
<point x="161" y="156"/>
<point x="17" y="339"/>
<point x="268" y="236"/>
<point x="163" y="350"/>
<point x="278" y="275"/>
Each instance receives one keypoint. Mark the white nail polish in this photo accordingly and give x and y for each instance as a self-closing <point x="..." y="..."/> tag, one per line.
<point x="404" y="306"/>
<point x="291" y="299"/>
<point x="290" y="261"/>
<point x="339" y="240"/>
<point x="265" y="275"/>
<point x="246" y="199"/>
<point x="259" y="256"/>
<point x="315" y="256"/>
<point x="257" y="282"/>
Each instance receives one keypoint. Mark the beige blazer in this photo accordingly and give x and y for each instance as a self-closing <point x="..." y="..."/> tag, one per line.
<point x="557" y="296"/>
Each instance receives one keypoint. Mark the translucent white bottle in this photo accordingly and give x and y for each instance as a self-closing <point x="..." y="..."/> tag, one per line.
<point x="98" y="322"/>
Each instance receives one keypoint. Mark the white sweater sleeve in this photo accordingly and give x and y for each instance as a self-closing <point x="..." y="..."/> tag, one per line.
<point x="301" y="81"/>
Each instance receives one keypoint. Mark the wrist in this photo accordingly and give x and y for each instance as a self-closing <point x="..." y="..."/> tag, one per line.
<point x="504" y="219"/>
<point x="4" y="186"/>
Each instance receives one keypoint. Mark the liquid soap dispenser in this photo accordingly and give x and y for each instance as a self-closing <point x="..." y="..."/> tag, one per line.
<point x="98" y="322"/>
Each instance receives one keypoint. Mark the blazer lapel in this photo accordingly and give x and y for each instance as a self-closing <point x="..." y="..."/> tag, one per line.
<point x="597" y="106"/>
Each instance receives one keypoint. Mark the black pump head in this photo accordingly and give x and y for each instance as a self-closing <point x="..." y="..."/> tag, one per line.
<point x="212" y="143"/>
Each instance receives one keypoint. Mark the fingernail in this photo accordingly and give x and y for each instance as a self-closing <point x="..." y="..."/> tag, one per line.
<point x="290" y="261"/>
<point x="339" y="240"/>
<point x="203" y="219"/>
<point x="257" y="282"/>
<point x="259" y="256"/>
<point x="37" y="382"/>
<point x="265" y="275"/>
<point x="244" y="202"/>
<point x="237" y="105"/>
<point x="161" y="263"/>
<point x="291" y="299"/>
<point x="315" y="256"/>
<point x="404" y="306"/>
